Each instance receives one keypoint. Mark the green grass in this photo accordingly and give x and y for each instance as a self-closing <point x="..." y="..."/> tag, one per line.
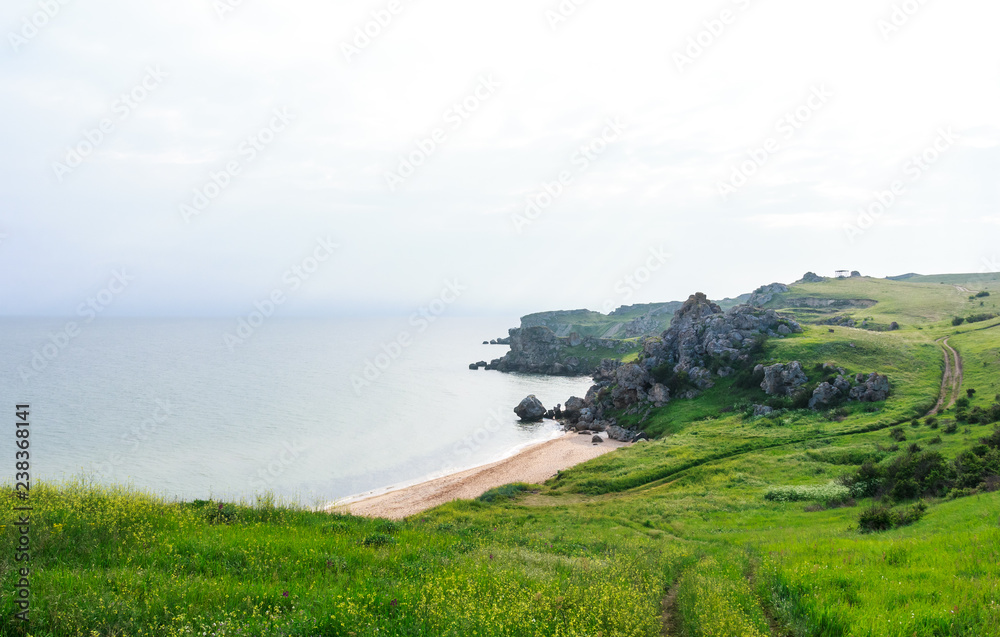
<point x="596" y="549"/>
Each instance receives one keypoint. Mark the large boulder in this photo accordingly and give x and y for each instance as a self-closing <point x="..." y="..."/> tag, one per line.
<point x="573" y="407"/>
<point x="824" y="396"/>
<point x="530" y="409"/>
<point x="842" y="383"/>
<point x="872" y="389"/>
<point x="659" y="395"/>
<point x="783" y="380"/>
<point x="762" y="410"/>
<point x="621" y="434"/>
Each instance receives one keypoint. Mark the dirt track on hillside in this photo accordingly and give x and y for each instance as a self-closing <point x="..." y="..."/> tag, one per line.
<point x="951" y="383"/>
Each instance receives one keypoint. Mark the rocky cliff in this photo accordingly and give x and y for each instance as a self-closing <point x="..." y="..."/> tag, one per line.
<point x="702" y="343"/>
<point x="573" y="342"/>
<point x="538" y="350"/>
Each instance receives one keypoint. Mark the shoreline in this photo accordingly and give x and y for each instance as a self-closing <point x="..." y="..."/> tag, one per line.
<point x="534" y="463"/>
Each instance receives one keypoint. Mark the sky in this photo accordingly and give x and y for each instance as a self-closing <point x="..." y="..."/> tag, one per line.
<point x="205" y="157"/>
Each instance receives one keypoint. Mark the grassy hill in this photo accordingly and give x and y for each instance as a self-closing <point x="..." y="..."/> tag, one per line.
<point x="724" y="524"/>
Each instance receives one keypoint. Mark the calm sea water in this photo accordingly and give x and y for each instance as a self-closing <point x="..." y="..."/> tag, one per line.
<point x="166" y="405"/>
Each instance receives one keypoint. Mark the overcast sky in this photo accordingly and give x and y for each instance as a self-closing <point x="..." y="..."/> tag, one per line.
<point x="692" y="168"/>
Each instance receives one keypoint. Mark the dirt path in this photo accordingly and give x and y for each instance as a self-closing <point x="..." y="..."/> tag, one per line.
<point x="670" y="621"/>
<point x="962" y="289"/>
<point x="951" y="382"/>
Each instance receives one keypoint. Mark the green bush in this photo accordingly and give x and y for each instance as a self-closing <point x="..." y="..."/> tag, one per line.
<point x="958" y="320"/>
<point x="376" y="540"/>
<point x="505" y="492"/>
<point x="877" y="517"/>
<point x="909" y="515"/>
<point x="881" y="517"/>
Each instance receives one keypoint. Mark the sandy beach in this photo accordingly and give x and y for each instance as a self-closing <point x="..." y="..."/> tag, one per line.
<point x="534" y="464"/>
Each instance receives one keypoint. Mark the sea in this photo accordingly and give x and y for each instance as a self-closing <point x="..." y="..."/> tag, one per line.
<point x="306" y="410"/>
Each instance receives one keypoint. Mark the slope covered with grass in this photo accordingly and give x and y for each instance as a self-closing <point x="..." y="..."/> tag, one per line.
<point x="724" y="524"/>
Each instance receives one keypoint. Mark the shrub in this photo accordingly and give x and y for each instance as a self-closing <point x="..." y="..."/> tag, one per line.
<point x="905" y="489"/>
<point x="909" y="515"/>
<point x="507" y="492"/>
<point x="936" y="440"/>
<point x="387" y="527"/>
<point x="992" y="440"/>
<point x="877" y="517"/>
<point x="982" y="294"/>
<point x="951" y="427"/>
<point x="881" y="517"/>
<point x="376" y="540"/>
<point x="932" y="422"/>
<point x="897" y="434"/>
<point x="977" y="318"/>
<point x="958" y="320"/>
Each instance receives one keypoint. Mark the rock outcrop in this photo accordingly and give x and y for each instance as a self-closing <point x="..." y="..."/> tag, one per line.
<point x="824" y="396"/>
<point x="871" y="389"/>
<point x="762" y="410"/>
<point x="702" y="344"/>
<point x="763" y="295"/>
<point x="811" y="277"/>
<point x="537" y="350"/>
<point x="530" y="409"/>
<point x="703" y="340"/>
<point x="782" y="380"/>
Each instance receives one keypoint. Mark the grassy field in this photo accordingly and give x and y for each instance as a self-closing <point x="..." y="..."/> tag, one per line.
<point x="723" y="525"/>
